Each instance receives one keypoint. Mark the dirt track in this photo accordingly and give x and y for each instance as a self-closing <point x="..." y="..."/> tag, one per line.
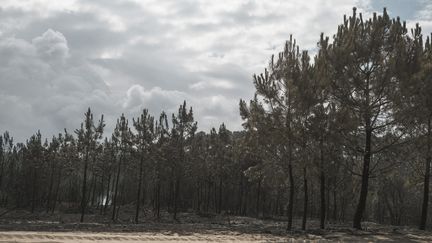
<point x="25" y="227"/>
<point x="17" y="236"/>
<point x="87" y="237"/>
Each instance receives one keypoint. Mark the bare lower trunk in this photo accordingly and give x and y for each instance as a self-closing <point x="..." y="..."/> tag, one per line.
<point x="258" y="198"/>
<point x="57" y="191"/>
<point x="291" y="197"/>
<point x="322" y="188"/>
<point x="84" y="187"/>
<point x="425" y="204"/>
<point x="176" y="197"/>
<point x="158" y="199"/>
<point x="50" y="188"/>
<point x="107" y="193"/>
<point x="116" y="190"/>
<point x="220" y="196"/>
<point x="305" y="201"/>
<point x="139" y="191"/>
<point x="358" y="216"/>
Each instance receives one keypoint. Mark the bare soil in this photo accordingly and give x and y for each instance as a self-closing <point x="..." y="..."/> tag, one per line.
<point x="22" y="226"/>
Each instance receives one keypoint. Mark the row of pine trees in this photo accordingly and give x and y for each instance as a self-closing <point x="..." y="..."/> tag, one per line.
<point x="343" y="135"/>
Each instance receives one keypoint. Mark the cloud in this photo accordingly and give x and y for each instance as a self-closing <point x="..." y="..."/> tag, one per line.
<point x="52" y="46"/>
<point x="40" y="87"/>
<point x="121" y="56"/>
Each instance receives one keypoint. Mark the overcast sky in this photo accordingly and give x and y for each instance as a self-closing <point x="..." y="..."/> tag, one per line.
<point x="59" y="57"/>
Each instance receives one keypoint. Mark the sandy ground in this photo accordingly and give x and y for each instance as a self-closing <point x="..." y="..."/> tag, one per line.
<point x="84" y="237"/>
<point x="17" y="236"/>
<point x="217" y="235"/>
<point x="21" y="226"/>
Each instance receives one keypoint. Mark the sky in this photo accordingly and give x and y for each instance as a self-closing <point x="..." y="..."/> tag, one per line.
<point x="57" y="58"/>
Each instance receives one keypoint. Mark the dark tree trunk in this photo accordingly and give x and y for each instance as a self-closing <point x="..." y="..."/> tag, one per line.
<point x="322" y="187"/>
<point x="107" y="199"/>
<point x="116" y="189"/>
<point x="240" y="196"/>
<point x="34" y="191"/>
<point x="84" y="187"/>
<point x="176" y="197"/>
<point x="57" y="190"/>
<point x="93" y="189"/>
<point x="291" y="197"/>
<point x="258" y="197"/>
<point x="158" y="189"/>
<point x="207" y="197"/>
<point x="138" y="200"/>
<point x="425" y="204"/>
<point x="220" y="196"/>
<point x="50" y="188"/>
<point x="305" y="201"/>
<point x="358" y="216"/>
<point x="334" y="204"/>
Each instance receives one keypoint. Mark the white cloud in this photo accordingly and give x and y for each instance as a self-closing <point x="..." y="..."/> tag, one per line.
<point x="121" y="56"/>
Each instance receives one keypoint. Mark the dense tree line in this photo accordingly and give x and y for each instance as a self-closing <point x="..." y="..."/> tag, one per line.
<point x="343" y="135"/>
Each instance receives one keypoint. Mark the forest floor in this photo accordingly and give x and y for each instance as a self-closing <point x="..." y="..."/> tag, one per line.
<point x="22" y="226"/>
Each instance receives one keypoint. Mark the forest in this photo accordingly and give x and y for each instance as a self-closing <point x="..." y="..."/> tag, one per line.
<point x="340" y="135"/>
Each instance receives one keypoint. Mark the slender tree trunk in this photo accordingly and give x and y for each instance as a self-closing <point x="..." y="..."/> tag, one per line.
<point x="334" y="204"/>
<point x="207" y="197"/>
<point x="107" y="199"/>
<point x="322" y="187"/>
<point x="116" y="189"/>
<point x="176" y="197"/>
<point x="50" y="188"/>
<point x="305" y="201"/>
<point x="425" y="204"/>
<point x="84" y="186"/>
<point x="240" y="195"/>
<point x="258" y="198"/>
<point x="291" y="197"/>
<point x="358" y="216"/>
<point x="290" y="169"/>
<point x="158" y="198"/>
<point x="138" y="200"/>
<point x="34" y="191"/>
<point x="93" y="189"/>
<point x="220" y="196"/>
<point x="57" y="191"/>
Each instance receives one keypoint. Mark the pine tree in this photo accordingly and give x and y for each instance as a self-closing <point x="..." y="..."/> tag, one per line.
<point x="363" y="59"/>
<point x="122" y="138"/>
<point x="182" y="132"/>
<point x="88" y="135"/>
<point x="144" y="125"/>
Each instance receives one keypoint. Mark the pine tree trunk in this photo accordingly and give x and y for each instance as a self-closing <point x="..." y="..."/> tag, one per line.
<point x="34" y="191"/>
<point x="220" y="196"/>
<point x="305" y="201"/>
<point x="57" y="191"/>
<point x="107" y="193"/>
<point x="158" y="198"/>
<point x="334" y="204"/>
<point x="428" y="161"/>
<point x="116" y="189"/>
<point x="240" y="195"/>
<point x="322" y="187"/>
<point x="138" y="200"/>
<point x="93" y="189"/>
<point x="176" y="197"/>
<point x="48" y="204"/>
<point x="258" y="198"/>
<point x="291" y="197"/>
<point x="358" y="216"/>
<point x="84" y="186"/>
